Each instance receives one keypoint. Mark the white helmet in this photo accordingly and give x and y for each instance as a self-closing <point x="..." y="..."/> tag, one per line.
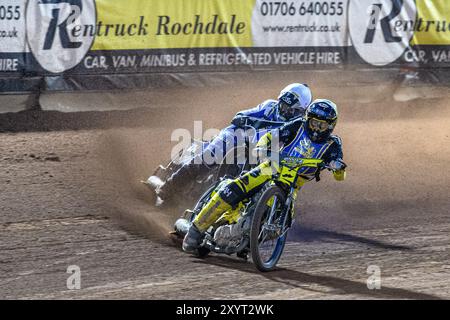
<point x="294" y="100"/>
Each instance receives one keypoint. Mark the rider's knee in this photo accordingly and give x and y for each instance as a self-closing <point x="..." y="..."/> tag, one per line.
<point x="232" y="193"/>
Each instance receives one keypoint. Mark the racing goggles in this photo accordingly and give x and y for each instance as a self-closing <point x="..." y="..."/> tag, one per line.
<point x="317" y="125"/>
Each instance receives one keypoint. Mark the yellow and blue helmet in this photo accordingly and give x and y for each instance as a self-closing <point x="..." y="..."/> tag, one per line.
<point x="321" y="118"/>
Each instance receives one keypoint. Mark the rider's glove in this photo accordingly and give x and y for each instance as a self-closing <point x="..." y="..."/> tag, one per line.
<point x="239" y="121"/>
<point x="338" y="168"/>
<point x="337" y="165"/>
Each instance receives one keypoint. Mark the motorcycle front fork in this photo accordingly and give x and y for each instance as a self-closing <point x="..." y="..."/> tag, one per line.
<point x="290" y="205"/>
<point x="289" y="209"/>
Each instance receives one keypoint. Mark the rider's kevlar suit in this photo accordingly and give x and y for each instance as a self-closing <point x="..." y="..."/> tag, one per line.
<point x="297" y="144"/>
<point x="229" y="136"/>
<point x="218" y="147"/>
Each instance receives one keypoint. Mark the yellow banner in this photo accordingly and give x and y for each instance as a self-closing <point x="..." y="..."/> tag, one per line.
<point x="432" y="26"/>
<point x="165" y="24"/>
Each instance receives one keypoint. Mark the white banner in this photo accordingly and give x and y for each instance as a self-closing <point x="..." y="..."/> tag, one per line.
<point x="300" y="23"/>
<point x="12" y="26"/>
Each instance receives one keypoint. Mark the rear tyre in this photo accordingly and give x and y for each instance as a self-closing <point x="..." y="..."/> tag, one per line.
<point x="202" y="252"/>
<point x="266" y="260"/>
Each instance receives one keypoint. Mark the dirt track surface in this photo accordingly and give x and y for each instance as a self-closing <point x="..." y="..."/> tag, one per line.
<point x="70" y="196"/>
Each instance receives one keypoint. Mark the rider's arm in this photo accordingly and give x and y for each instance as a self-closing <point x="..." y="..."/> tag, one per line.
<point x="247" y="116"/>
<point x="239" y="121"/>
<point x="334" y="158"/>
<point x="278" y="137"/>
<point x="285" y="134"/>
<point x="289" y="131"/>
<point x="265" y="141"/>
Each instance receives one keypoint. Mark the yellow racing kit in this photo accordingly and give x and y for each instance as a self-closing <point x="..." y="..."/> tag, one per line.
<point x="298" y="163"/>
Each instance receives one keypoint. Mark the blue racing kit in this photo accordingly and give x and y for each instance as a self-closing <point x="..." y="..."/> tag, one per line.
<point x="252" y="123"/>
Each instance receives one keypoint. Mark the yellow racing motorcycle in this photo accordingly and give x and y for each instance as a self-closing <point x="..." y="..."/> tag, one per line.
<point x="258" y="226"/>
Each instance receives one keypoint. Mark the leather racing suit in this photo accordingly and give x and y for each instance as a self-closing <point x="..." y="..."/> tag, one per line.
<point x="227" y="139"/>
<point x="297" y="144"/>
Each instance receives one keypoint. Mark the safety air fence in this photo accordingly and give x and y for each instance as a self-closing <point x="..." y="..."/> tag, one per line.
<point x="65" y="45"/>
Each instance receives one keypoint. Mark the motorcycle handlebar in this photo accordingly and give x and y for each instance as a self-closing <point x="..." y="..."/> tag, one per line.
<point x="276" y="155"/>
<point x="254" y="123"/>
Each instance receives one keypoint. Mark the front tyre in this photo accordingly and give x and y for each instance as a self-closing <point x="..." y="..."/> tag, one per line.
<point x="267" y="237"/>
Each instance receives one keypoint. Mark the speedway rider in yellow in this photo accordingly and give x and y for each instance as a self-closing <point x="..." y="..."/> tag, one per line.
<point x="305" y="138"/>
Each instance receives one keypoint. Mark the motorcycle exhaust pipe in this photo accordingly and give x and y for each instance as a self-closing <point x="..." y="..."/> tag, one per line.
<point x="182" y="226"/>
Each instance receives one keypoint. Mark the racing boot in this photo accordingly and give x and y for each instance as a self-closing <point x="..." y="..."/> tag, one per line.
<point x="192" y="239"/>
<point x="154" y="182"/>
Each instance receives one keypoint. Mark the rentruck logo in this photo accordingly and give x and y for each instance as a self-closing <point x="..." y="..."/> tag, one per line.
<point x="381" y="30"/>
<point x="60" y="32"/>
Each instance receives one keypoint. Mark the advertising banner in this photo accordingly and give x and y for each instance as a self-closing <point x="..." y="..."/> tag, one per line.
<point x="72" y="38"/>
<point x="12" y="36"/>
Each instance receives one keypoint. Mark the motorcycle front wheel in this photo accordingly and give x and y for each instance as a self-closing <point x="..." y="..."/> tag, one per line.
<point x="267" y="237"/>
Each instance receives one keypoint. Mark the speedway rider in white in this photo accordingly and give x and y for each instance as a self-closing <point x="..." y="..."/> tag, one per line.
<point x="292" y="102"/>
